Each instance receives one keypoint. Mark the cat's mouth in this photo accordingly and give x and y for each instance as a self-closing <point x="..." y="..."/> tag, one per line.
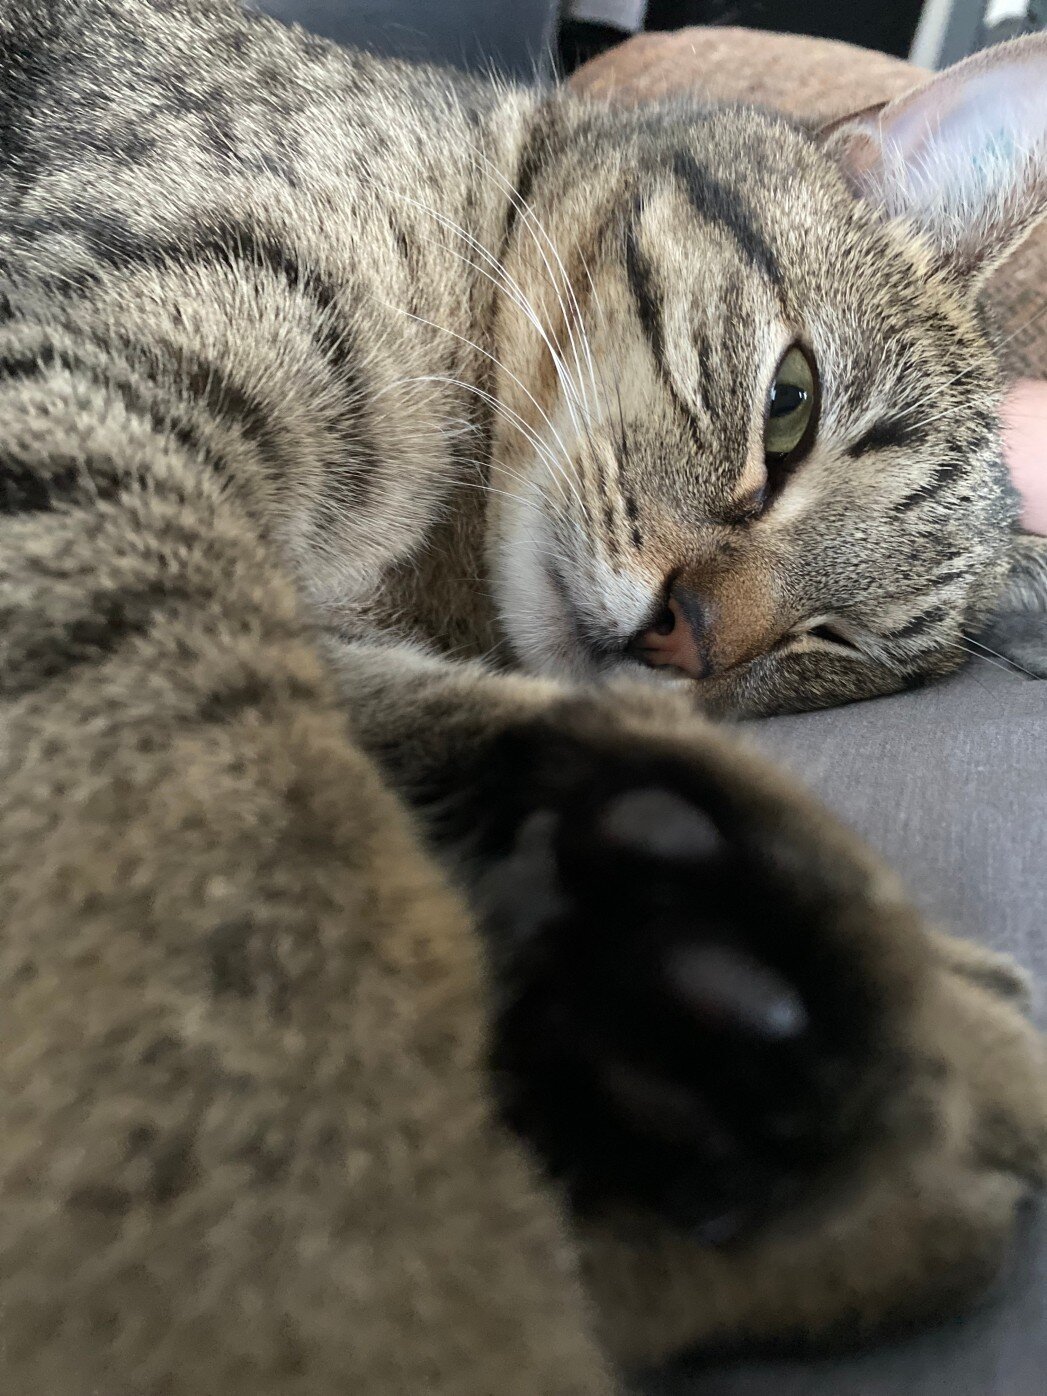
<point x="600" y="649"/>
<point x="582" y="619"/>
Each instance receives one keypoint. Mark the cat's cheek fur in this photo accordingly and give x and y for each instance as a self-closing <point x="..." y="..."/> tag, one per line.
<point x="532" y="608"/>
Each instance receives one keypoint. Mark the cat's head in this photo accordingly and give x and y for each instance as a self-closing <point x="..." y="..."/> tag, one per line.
<point x="750" y="415"/>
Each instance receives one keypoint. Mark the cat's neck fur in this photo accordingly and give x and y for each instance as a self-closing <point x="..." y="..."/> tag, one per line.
<point x="457" y="219"/>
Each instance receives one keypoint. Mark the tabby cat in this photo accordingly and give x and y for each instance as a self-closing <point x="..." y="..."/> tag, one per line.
<point x="404" y="988"/>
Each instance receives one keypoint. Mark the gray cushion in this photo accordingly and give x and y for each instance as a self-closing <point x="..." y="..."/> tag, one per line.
<point x="950" y="784"/>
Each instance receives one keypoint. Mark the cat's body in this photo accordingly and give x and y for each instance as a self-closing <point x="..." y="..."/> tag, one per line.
<point x="289" y="367"/>
<point x="311" y="167"/>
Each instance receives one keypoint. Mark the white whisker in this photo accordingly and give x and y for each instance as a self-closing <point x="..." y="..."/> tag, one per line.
<point x="516" y="295"/>
<point x="533" y="222"/>
<point x="1006" y="661"/>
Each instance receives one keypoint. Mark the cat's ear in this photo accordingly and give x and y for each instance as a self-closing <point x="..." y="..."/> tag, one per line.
<point x="1017" y="630"/>
<point x="964" y="156"/>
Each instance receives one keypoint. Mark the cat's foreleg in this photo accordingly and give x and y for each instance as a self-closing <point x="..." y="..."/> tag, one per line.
<point x="716" y="1005"/>
<point x="245" y="1139"/>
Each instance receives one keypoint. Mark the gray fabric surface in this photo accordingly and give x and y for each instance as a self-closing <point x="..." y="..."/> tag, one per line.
<point x="950" y="784"/>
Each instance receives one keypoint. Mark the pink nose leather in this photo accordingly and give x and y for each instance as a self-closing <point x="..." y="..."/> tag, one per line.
<point x="674" y="641"/>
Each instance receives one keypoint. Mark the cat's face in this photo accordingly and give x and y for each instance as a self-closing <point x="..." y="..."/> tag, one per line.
<point x="755" y="444"/>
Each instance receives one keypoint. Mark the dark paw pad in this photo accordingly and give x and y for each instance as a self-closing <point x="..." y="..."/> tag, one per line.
<point x="674" y="1029"/>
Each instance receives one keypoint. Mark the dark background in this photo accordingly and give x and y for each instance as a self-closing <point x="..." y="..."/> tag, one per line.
<point x="524" y="37"/>
<point x="527" y="38"/>
<point x="884" y="24"/>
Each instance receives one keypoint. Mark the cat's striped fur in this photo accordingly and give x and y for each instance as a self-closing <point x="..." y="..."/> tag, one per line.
<point x="261" y="336"/>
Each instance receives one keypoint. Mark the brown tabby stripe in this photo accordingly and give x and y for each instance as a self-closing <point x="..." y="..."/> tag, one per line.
<point x="113" y="243"/>
<point x="714" y="202"/>
<point x="137" y="389"/>
<point x="889" y="433"/>
<point x="919" y="624"/>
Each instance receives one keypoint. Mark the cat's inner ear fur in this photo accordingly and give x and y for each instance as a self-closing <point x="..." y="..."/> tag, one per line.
<point x="1017" y="629"/>
<point x="964" y="156"/>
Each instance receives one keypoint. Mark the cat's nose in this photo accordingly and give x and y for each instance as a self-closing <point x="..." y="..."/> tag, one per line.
<point x="679" y="638"/>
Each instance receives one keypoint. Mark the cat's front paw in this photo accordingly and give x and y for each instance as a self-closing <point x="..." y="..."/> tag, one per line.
<point x="716" y="1004"/>
<point x="924" y="1225"/>
<point x="697" y="1012"/>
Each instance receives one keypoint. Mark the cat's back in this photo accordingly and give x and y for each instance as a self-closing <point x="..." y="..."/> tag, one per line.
<point x="191" y="185"/>
<point x="165" y="107"/>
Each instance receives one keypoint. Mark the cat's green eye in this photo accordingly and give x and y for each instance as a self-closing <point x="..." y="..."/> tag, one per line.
<point x="790" y="420"/>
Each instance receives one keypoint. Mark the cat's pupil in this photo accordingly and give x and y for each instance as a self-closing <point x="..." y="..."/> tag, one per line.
<point x="786" y="398"/>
